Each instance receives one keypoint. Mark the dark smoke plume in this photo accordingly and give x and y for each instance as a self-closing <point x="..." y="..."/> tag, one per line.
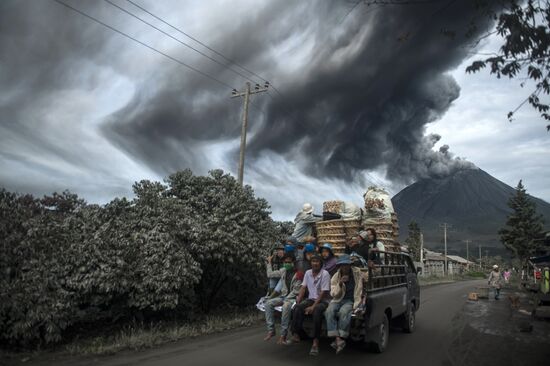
<point x="356" y="94"/>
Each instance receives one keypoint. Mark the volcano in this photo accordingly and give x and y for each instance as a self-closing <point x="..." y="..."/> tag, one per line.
<point x="473" y="202"/>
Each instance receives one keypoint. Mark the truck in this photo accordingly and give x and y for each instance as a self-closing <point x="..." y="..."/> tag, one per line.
<point x="392" y="298"/>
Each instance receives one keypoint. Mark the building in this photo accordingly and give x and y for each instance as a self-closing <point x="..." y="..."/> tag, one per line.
<point x="434" y="264"/>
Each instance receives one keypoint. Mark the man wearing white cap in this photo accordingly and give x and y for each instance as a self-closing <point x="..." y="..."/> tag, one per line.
<point x="304" y="221"/>
<point x="495" y="281"/>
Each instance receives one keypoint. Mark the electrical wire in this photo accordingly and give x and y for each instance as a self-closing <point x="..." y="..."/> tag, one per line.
<point x="144" y="44"/>
<point x="177" y="40"/>
<point x="196" y="40"/>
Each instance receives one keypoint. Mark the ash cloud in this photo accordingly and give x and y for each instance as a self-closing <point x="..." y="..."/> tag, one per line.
<point x="356" y="95"/>
<point x="361" y="99"/>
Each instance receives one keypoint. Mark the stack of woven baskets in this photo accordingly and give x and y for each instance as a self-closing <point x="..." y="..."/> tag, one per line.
<point x="336" y="232"/>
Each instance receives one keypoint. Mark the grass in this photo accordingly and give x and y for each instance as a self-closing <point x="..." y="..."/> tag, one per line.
<point x="140" y="336"/>
<point x="137" y="336"/>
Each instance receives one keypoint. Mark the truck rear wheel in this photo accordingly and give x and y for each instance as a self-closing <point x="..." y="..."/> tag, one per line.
<point x="409" y="319"/>
<point x="383" y="333"/>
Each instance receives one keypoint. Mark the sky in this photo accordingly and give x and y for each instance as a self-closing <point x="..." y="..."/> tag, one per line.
<point x="378" y="95"/>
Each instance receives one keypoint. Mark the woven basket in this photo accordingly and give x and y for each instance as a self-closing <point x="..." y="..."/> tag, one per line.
<point x="352" y="227"/>
<point x="385" y="235"/>
<point x="333" y="206"/>
<point x="334" y="230"/>
<point x="338" y="245"/>
<point x="387" y="242"/>
<point x="329" y="223"/>
<point x="380" y="227"/>
<point x="327" y="238"/>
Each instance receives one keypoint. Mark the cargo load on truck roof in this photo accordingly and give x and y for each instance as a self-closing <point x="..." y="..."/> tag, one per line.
<point x="377" y="213"/>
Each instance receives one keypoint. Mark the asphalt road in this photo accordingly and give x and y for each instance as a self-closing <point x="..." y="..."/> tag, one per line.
<point x="429" y="345"/>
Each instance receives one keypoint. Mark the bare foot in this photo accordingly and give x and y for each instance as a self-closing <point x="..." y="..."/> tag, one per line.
<point x="296" y="338"/>
<point x="269" y="336"/>
<point x="281" y="340"/>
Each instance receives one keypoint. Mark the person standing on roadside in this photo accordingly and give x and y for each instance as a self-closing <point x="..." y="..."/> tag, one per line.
<point x="507" y="274"/>
<point x="495" y="281"/>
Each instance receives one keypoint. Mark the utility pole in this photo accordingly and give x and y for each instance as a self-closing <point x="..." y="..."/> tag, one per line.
<point x="246" y="94"/>
<point x="445" y="226"/>
<point x="468" y="241"/>
<point x="421" y="247"/>
<point x="480" y="257"/>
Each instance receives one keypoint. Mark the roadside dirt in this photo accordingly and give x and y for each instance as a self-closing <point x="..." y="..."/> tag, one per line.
<point x="493" y="332"/>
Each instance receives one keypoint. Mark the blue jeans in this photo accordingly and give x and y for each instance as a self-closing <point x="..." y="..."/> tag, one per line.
<point x="338" y="316"/>
<point x="285" y="316"/>
<point x="273" y="283"/>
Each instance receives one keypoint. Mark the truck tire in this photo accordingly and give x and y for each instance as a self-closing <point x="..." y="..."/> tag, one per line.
<point x="383" y="332"/>
<point x="409" y="319"/>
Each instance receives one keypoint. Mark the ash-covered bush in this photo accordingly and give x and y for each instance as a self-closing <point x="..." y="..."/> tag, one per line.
<point x="188" y="245"/>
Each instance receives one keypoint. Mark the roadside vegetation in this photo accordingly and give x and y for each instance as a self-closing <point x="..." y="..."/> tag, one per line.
<point x="176" y="252"/>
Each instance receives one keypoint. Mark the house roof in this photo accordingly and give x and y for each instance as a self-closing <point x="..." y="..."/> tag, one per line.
<point x="456" y="258"/>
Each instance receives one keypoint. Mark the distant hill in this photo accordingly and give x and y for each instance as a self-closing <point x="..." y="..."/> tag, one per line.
<point x="472" y="201"/>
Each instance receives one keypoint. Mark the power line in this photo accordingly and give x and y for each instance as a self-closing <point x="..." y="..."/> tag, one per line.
<point x="208" y="47"/>
<point x="350" y="11"/>
<point x="176" y="39"/>
<point x="196" y="40"/>
<point x="143" y="44"/>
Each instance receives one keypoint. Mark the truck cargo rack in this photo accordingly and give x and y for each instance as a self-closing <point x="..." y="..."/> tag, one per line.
<point x="390" y="274"/>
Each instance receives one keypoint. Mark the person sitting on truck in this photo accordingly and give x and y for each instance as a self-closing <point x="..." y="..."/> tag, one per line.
<point x="346" y="289"/>
<point x="275" y="260"/>
<point x="374" y="246"/>
<point x="317" y="284"/>
<point x="304" y="263"/>
<point x="329" y="260"/>
<point x="358" y="247"/>
<point x="284" y="295"/>
<point x="304" y="222"/>
<point x="310" y="240"/>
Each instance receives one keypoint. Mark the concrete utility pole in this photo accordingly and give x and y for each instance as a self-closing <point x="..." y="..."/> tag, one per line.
<point x="445" y="226"/>
<point x="467" y="254"/>
<point x="246" y="94"/>
<point x="421" y="248"/>
<point x="480" y="257"/>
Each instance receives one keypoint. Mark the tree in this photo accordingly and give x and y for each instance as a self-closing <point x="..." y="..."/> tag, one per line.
<point x="524" y="27"/>
<point x="231" y="234"/>
<point x="525" y="48"/>
<point x="413" y="240"/>
<point x="186" y="246"/>
<point x="523" y="226"/>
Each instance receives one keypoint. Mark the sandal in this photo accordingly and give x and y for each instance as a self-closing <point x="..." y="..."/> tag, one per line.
<point x="295" y="339"/>
<point x="340" y="347"/>
<point x="269" y="336"/>
<point x="314" y="351"/>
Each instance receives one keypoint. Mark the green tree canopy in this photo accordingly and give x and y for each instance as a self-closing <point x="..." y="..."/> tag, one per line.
<point x="524" y="27"/>
<point x="413" y="240"/>
<point x="523" y="226"/>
